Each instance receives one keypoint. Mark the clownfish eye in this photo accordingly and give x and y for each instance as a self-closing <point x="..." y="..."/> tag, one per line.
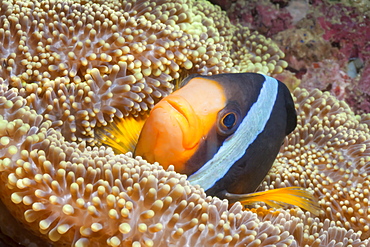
<point x="229" y="120"/>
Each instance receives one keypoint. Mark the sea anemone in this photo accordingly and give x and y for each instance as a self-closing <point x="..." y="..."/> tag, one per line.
<point x="80" y="64"/>
<point x="68" y="67"/>
<point x="329" y="152"/>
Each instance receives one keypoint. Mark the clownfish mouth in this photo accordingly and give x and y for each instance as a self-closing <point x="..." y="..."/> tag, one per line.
<point x="178" y="107"/>
<point x="182" y="115"/>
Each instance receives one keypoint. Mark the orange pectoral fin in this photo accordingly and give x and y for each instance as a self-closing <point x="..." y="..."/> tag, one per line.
<point x="122" y="134"/>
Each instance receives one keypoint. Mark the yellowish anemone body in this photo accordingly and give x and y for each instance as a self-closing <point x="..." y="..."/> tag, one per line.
<point x="67" y="67"/>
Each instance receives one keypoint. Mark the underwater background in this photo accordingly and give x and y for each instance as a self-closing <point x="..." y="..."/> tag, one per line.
<point x="68" y="68"/>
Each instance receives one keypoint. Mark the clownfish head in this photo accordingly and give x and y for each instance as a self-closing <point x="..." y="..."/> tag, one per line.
<point x="220" y="129"/>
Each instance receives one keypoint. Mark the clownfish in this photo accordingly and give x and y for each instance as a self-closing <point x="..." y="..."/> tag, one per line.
<point x="224" y="132"/>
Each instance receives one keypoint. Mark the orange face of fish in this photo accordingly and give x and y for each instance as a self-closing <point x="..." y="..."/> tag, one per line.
<point x="179" y="122"/>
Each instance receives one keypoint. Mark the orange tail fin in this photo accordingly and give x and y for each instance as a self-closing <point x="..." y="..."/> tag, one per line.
<point x="122" y="134"/>
<point x="281" y="197"/>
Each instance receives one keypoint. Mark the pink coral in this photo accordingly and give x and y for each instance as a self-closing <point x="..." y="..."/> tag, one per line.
<point x="347" y="28"/>
<point x="364" y="83"/>
<point x="263" y="16"/>
<point x="359" y="93"/>
<point x="327" y="75"/>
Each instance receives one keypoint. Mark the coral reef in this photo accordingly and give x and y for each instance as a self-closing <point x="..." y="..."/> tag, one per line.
<point x="67" y="67"/>
<point x="327" y="75"/>
<point x="268" y="17"/>
<point x="346" y="27"/>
